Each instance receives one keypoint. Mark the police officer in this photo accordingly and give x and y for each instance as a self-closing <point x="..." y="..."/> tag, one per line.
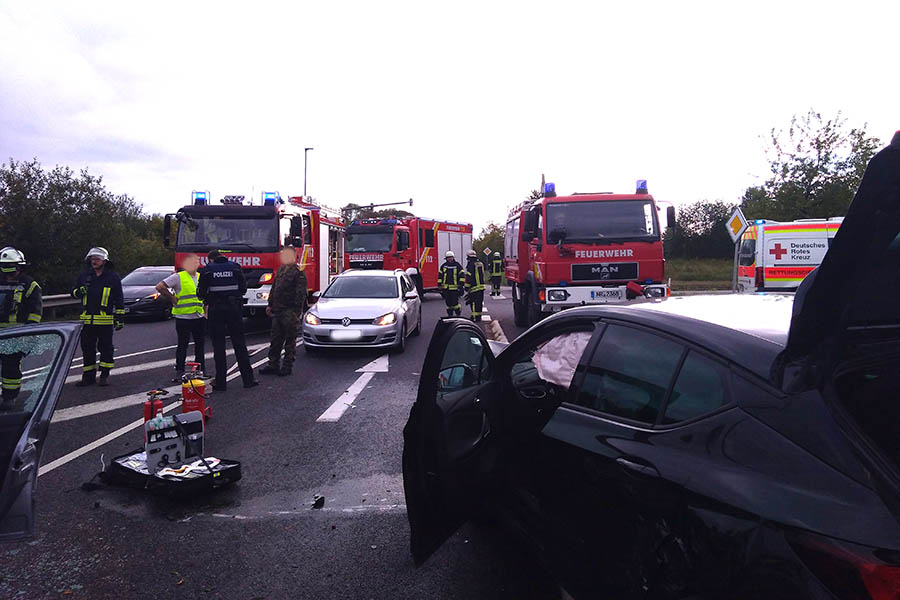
<point x="496" y="274"/>
<point x="103" y="308"/>
<point x="450" y="279"/>
<point x="20" y="302"/>
<point x="222" y="287"/>
<point x="287" y="301"/>
<point x="474" y="284"/>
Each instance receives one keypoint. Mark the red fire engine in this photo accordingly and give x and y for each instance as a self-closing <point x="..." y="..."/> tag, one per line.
<point x="414" y="244"/>
<point x="253" y="235"/>
<point x="598" y="248"/>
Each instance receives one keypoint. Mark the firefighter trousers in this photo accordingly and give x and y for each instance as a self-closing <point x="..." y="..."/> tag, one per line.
<point x="11" y="373"/>
<point x="96" y="338"/>
<point x="495" y="285"/>
<point x="187" y="329"/>
<point x="451" y="299"/>
<point x="284" y="337"/>
<point x="476" y="299"/>
<point x="227" y="317"/>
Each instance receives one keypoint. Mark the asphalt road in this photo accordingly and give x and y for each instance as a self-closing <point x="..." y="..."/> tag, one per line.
<point x="260" y="538"/>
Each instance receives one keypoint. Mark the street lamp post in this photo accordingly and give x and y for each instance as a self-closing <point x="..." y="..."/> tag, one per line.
<point x="305" y="151"/>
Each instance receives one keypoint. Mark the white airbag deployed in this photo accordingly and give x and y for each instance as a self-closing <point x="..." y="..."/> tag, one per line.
<point x="557" y="359"/>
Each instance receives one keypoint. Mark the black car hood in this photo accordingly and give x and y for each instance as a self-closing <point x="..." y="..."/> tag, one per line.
<point x="853" y="300"/>
<point x="132" y="292"/>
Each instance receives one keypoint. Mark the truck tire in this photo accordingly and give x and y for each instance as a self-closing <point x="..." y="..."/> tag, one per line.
<point x="533" y="314"/>
<point x="519" y="317"/>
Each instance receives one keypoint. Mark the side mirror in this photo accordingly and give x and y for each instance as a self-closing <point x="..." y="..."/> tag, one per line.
<point x="410" y="296"/>
<point x="670" y="216"/>
<point x="456" y="377"/>
<point x="316" y="295"/>
<point x="167" y="231"/>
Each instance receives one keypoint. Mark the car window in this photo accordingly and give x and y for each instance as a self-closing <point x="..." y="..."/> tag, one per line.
<point x="629" y="374"/>
<point x="465" y="363"/>
<point x="748" y="253"/>
<point x="551" y="361"/>
<point x="362" y="287"/>
<point x="699" y="389"/>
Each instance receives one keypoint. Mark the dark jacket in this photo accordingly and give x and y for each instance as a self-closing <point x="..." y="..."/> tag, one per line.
<point x="20" y="301"/>
<point x="221" y="281"/>
<point x="101" y="297"/>
<point x="451" y="276"/>
<point x="475" y="275"/>
<point x="289" y="289"/>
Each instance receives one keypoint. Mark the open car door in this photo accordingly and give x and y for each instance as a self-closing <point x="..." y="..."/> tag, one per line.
<point x="450" y="443"/>
<point x="35" y="360"/>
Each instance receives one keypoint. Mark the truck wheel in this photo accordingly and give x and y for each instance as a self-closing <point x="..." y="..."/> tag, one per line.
<point x="518" y="308"/>
<point x="533" y="310"/>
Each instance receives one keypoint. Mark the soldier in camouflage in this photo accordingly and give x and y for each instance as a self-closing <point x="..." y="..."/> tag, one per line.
<point x="287" y="302"/>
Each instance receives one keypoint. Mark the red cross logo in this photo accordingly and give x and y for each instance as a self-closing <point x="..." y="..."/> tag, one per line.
<point x="777" y="251"/>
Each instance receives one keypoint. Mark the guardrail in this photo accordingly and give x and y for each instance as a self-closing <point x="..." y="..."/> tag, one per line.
<point x="57" y="301"/>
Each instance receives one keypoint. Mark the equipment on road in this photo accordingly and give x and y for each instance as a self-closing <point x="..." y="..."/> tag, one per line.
<point x="411" y="244"/>
<point x="565" y="251"/>
<point x="193" y="391"/>
<point x="154" y="406"/>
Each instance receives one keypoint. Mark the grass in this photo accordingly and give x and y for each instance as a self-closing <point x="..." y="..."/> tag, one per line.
<point x="700" y="273"/>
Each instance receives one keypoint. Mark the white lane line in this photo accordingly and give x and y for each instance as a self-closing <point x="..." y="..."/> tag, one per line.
<point x="95" y="408"/>
<point x="379" y="365"/>
<point x="117" y="433"/>
<point x="340" y="406"/>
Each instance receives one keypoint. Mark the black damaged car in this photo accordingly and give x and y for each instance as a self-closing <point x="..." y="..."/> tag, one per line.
<point x="713" y="447"/>
<point x="141" y="298"/>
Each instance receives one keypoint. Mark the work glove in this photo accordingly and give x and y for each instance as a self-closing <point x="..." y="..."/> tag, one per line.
<point x="119" y="324"/>
<point x="80" y="292"/>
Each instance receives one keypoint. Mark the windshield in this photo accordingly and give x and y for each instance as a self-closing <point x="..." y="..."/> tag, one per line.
<point x="229" y="232"/>
<point x="145" y="277"/>
<point x="362" y="287"/>
<point x="601" y="220"/>
<point x="369" y="239"/>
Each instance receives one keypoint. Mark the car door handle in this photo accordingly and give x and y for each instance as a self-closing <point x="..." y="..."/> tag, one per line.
<point x="647" y="470"/>
<point x="534" y="394"/>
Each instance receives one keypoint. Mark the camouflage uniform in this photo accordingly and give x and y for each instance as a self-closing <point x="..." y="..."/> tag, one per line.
<point x="287" y="299"/>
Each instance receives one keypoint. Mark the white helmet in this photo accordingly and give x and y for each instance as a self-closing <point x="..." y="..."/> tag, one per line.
<point x="449" y="254"/>
<point x="10" y="258"/>
<point x="472" y="254"/>
<point x="497" y="254"/>
<point x="97" y="251"/>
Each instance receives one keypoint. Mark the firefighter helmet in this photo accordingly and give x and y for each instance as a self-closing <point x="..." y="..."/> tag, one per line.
<point x="10" y="259"/>
<point x="471" y="254"/>
<point x="497" y="254"/>
<point x="449" y="254"/>
<point x="97" y="251"/>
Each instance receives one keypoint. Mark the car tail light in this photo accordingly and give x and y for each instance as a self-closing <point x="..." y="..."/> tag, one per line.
<point x="850" y="571"/>
<point x="266" y="277"/>
<point x="759" y="281"/>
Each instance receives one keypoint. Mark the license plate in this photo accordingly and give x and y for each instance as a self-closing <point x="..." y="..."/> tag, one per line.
<point x="340" y="335"/>
<point x="607" y="295"/>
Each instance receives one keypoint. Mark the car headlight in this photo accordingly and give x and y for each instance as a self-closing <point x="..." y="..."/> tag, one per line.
<point x="387" y="319"/>
<point x="267" y="277"/>
<point x="153" y="296"/>
<point x="311" y="319"/>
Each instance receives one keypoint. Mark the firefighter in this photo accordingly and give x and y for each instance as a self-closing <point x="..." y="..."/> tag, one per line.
<point x="103" y="309"/>
<point x="222" y="287"/>
<point x="287" y="301"/>
<point x="190" y="316"/>
<point x="20" y="302"/>
<point x="450" y="279"/>
<point x="496" y="274"/>
<point x="474" y="284"/>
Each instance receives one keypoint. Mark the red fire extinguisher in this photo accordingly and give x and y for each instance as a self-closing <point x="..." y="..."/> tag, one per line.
<point x="153" y="406"/>
<point x="193" y="391"/>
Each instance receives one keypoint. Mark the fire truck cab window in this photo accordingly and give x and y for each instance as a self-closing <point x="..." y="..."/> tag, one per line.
<point x="307" y="230"/>
<point x="229" y="232"/>
<point x="369" y="238"/>
<point x="599" y="220"/>
<point x="748" y="253"/>
<point x="402" y="240"/>
<point x="629" y="374"/>
<point x="429" y="238"/>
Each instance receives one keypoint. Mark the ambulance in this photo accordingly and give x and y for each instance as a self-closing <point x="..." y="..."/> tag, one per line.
<point x="775" y="256"/>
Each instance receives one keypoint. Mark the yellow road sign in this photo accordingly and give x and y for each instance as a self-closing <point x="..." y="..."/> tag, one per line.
<point x="737" y="225"/>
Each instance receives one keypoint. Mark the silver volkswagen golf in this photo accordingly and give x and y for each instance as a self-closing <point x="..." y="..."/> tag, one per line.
<point x="363" y="309"/>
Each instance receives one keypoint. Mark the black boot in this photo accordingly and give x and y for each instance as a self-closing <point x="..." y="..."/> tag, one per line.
<point x="87" y="378"/>
<point x="285" y="370"/>
<point x="270" y="369"/>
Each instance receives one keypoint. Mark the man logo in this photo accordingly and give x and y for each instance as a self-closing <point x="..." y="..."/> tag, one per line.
<point x="345" y="321"/>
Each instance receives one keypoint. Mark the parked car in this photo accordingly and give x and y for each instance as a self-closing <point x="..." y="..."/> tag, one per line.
<point x="364" y="309"/>
<point x="712" y="447"/>
<point x="141" y="297"/>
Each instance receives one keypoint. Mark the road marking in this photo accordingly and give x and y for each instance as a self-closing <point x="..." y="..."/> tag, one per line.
<point x="117" y="433"/>
<point x="379" y="365"/>
<point x="500" y="297"/>
<point x="95" y="408"/>
<point x="340" y="406"/>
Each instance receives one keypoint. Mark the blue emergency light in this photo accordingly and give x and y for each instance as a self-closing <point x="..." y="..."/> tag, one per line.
<point x="389" y="221"/>
<point x="641" y="186"/>
<point x="549" y="190"/>
<point x="200" y="198"/>
<point x="759" y="222"/>
<point x="269" y="198"/>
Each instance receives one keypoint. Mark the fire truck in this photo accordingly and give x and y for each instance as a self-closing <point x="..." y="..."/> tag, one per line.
<point x="414" y="244"/>
<point x="594" y="248"/>
<point x="252" y="235"/>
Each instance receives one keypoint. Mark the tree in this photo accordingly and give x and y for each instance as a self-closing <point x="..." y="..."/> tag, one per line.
<point x="55" y="216"/>
<point x="700" y="232"/>
<point x="816" y="166"/>
<point x="491" y="237"/>
<point x="353" y="212"/>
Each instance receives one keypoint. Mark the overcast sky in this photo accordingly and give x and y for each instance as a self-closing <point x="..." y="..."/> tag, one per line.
<point x="460" y="105"/>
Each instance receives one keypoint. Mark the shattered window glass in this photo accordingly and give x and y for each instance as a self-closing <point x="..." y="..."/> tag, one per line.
<point x="25" y="361"/>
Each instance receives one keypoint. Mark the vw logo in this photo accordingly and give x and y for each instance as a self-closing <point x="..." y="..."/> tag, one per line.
<point x="345" y="321"/>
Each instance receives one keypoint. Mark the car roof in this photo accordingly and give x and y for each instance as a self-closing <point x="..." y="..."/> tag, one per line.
<point x="370" y="273"/>
<point x="156" y="268"/>
<point x="749" y="330"/>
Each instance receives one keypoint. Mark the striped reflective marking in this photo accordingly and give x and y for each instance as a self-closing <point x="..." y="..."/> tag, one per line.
<point x="104" y="299"/>
<point x="223" y="288"/>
